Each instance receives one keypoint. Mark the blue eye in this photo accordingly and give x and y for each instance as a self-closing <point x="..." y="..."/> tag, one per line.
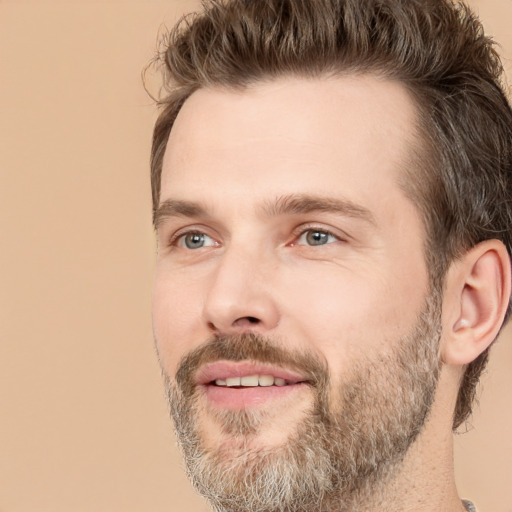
<point x="195" y="240"/>
<point x="315" y="237"/>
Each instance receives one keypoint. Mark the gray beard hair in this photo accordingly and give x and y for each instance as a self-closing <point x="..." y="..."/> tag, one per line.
<point x="337" y="458"/>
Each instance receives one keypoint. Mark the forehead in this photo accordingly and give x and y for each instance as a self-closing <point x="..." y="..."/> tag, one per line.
<point x="291" y="135"/>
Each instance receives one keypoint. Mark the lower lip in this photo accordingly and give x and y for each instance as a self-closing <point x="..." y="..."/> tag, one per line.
<point x="224" y="397"/>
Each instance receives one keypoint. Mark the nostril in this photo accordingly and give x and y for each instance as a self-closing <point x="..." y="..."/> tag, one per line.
<point x="244" y="321"/>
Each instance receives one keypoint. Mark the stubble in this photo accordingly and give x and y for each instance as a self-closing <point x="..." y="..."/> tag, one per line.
<point x="352" y="438"/>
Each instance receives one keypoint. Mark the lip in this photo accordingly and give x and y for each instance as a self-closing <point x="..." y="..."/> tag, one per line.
<point x="226" y="369"/>
<point x="240" y="398"/>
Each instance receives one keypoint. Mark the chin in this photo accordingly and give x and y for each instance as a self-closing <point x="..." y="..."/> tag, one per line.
<point x="233" y="433"/>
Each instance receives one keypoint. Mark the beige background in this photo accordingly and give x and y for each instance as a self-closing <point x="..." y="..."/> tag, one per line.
<point x="83" y="422"/>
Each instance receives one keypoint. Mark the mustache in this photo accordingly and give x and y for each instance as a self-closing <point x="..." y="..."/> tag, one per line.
<point x="254" y="347"/>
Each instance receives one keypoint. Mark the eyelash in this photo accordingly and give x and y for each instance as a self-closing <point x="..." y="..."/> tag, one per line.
<point x="314" y="228"/>
<point x="297" y="235"/>
<point x="175" y="238"/>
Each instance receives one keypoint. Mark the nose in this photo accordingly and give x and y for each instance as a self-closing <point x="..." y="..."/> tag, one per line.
<point x="240" y="294"/>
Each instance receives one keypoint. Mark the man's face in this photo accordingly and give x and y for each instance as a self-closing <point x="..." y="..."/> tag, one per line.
<point x="291" y="298"/>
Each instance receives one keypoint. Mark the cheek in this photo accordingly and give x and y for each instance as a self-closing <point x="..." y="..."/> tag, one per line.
<point x="331" y="312"/>
<point x="345" y="315"/>
<point x="176" y="311"/>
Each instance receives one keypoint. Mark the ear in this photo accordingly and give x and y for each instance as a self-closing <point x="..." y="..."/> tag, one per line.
<point x="475" y="300"/>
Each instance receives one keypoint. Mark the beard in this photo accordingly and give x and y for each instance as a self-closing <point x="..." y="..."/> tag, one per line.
<point x="350" y="443"/>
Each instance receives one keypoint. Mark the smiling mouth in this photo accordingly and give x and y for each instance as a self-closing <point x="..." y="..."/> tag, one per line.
<point x="243" y="374"/>
<point x="253" y="381"/>
<point x="243" y="384"/>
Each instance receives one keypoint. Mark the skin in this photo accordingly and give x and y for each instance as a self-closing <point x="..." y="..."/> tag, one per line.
<point x="234" y="159"/>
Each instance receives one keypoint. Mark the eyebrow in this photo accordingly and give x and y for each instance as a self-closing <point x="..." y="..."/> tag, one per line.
<point x="293" y="204"/>
<point x="297" y="204"/>
<point x="177" y="208"/>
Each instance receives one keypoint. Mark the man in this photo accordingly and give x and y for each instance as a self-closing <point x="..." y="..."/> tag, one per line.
<point x="331" y="191"/>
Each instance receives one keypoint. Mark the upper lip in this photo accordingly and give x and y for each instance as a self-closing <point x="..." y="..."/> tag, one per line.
<point x="226" y="369"/>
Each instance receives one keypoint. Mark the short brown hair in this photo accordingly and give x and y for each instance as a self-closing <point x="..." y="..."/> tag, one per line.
<point x="436" y="48"/>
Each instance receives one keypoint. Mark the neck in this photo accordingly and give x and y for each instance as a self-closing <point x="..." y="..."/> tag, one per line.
<point x="425" y="479"/>
<point x="424" y="482"/>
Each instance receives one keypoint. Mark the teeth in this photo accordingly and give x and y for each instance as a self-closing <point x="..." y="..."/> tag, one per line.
<point x="251" y="381"/>
<point x="266" y="380"/>
<point x="233" y="381"/>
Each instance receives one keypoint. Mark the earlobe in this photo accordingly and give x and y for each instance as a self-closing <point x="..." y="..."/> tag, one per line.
<point x="477" y="294"/>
